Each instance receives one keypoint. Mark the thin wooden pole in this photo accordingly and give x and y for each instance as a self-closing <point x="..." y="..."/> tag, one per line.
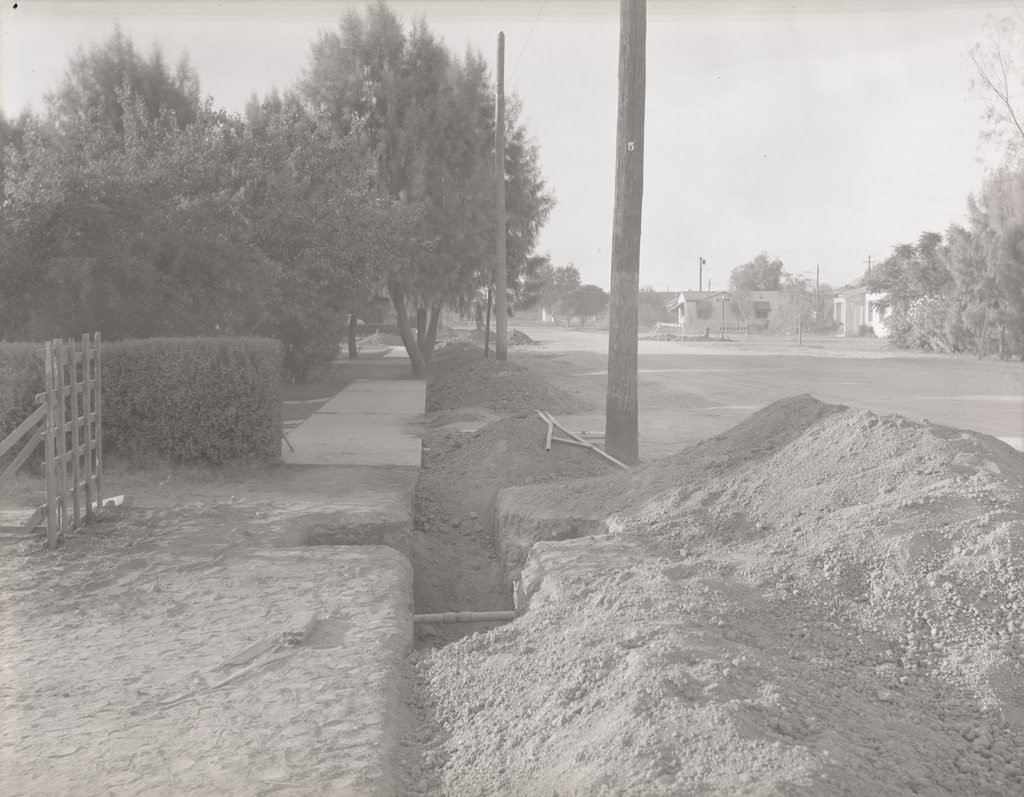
<point x="621" y="415"/>
<point x="88" y="426"/>
<point x="501" y="267"/>
<point x="52" y="518"/>
<point x="487" y="324"/>
<point x="99" y="418"/>
<point x="76" y="450"/>
<point x="62" y="445"/>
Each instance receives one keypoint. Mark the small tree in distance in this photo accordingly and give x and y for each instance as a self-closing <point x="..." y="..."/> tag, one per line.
<point x="584" y="302"/>
<point x="760" y="274"/>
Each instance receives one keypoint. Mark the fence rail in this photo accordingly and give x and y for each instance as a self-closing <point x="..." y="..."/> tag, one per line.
<point x="69" y="424"/>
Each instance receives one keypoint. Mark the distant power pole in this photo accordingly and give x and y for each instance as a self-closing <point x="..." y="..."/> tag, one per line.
<point x="869" y="267"/>
<point x="500" y="280"/>
<point x="700" y="276"/>
<point x="621" y="420"/>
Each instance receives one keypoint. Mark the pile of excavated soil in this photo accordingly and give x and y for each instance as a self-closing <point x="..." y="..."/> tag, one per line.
<point x="516" y="337"/>
<point x="764" y="433"/>
<point x="823" y="601"/>
<point x="460" y="376"/>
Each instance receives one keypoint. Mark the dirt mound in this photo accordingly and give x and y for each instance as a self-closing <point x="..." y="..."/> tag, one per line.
<point x="760" y="435"/>
<point x="825" y="601"/>
<point x="460" y="376"/>
<point x="516" y="337"/>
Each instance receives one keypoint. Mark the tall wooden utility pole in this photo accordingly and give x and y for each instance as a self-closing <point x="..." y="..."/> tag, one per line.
<point x="500" y="281"/>
<point x="621" y="423"/>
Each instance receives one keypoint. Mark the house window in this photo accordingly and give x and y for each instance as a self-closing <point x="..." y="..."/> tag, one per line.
<point x="762" y="309"/>
<point x="704" y="309"/>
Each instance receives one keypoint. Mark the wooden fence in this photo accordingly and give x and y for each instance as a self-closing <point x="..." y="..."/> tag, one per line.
<point x="69" y="425"/>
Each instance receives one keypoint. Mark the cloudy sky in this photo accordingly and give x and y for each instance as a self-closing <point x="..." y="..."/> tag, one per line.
<point x="820" y="132"/>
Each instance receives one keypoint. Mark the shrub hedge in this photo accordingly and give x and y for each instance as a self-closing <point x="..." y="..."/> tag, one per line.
<point x="21" y="377"/>
<point x="184" y="400"/>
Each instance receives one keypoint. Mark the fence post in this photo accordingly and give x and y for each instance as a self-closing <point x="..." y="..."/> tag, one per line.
<point x="62" y="443"/>
<point x="52" y="518"/>
<point x="87" y="425"/>
<point x="76" y="472"/>
<point x="99" y="417"/>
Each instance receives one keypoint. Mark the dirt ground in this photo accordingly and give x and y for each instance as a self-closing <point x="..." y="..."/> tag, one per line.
<point x="819" y="601"/>
<point x="805" y="600"/>
<point x="110" y="646"/>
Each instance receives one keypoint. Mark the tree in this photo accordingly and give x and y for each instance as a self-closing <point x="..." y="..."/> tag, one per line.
<point x="94" y="79"/>
<point x="310" y="203"/>
<point x="219" y="226"/>
<point x="584" y="302"/>
<point x="760" y="274"/>
<point x="652" y="308"/>
<point x="554" y="283"/>
<point x="428" y="119"/>
<point x="987" y="262"/>
<point x="1000" y="81"/>
<point x="135" y="236"/>
<point x="921" y="293"/>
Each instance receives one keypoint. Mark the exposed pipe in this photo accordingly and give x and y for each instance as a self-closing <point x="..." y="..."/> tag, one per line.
<point x="465" y="617"/>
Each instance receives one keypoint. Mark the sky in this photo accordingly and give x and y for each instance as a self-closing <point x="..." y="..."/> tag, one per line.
<point x="819" y="132"/>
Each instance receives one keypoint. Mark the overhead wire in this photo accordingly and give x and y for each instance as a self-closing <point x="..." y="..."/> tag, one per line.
<point x="527" y="40"/>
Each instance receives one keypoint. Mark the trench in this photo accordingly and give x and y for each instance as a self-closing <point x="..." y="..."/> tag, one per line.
<point x="455" y="569"/>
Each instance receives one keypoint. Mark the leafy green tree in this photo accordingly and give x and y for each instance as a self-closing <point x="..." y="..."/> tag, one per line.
<point x="218" y="226"/>
<point x="986" y="261"/>
<point x="652" y="308"/>
<point x="919" y="288"/>
<point x="760" y="274"/>
<point x="554" y="283"/>
<point x="94" y="80"/>
<point x="135" y="239"/>
<point x="584" y="302"/>
<point x="427" y="117"/>
<point x="310" y="202"/>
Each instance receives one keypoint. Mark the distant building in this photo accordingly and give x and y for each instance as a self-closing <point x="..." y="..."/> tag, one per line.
<point x="855" y="308"/>
<point x="702" y="311"/>
<point x="698" y="311"/>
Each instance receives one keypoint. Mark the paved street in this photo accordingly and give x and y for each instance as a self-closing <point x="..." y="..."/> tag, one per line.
<point x="688" y="391"/>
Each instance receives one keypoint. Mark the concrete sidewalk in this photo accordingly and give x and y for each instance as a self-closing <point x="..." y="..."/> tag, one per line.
<point x="371" y="422"/>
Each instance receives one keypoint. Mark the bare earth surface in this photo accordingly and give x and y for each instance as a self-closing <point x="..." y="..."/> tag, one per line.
<point x="127" y="658"/>
<point x="798" y="593"/>
<point x="99" y="639"/>
<point x="822" y="600"/>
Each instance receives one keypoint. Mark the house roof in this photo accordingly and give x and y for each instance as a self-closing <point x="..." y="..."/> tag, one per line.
<point x="694" y="296"/>
<point x="850" y="291"/>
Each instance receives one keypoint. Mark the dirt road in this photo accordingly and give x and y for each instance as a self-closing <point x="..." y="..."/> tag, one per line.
<point x="689" y="391"/>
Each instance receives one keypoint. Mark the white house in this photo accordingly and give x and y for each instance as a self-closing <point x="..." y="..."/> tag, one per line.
<point x="701" y="311"/>
<point x="854" y="308"/>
